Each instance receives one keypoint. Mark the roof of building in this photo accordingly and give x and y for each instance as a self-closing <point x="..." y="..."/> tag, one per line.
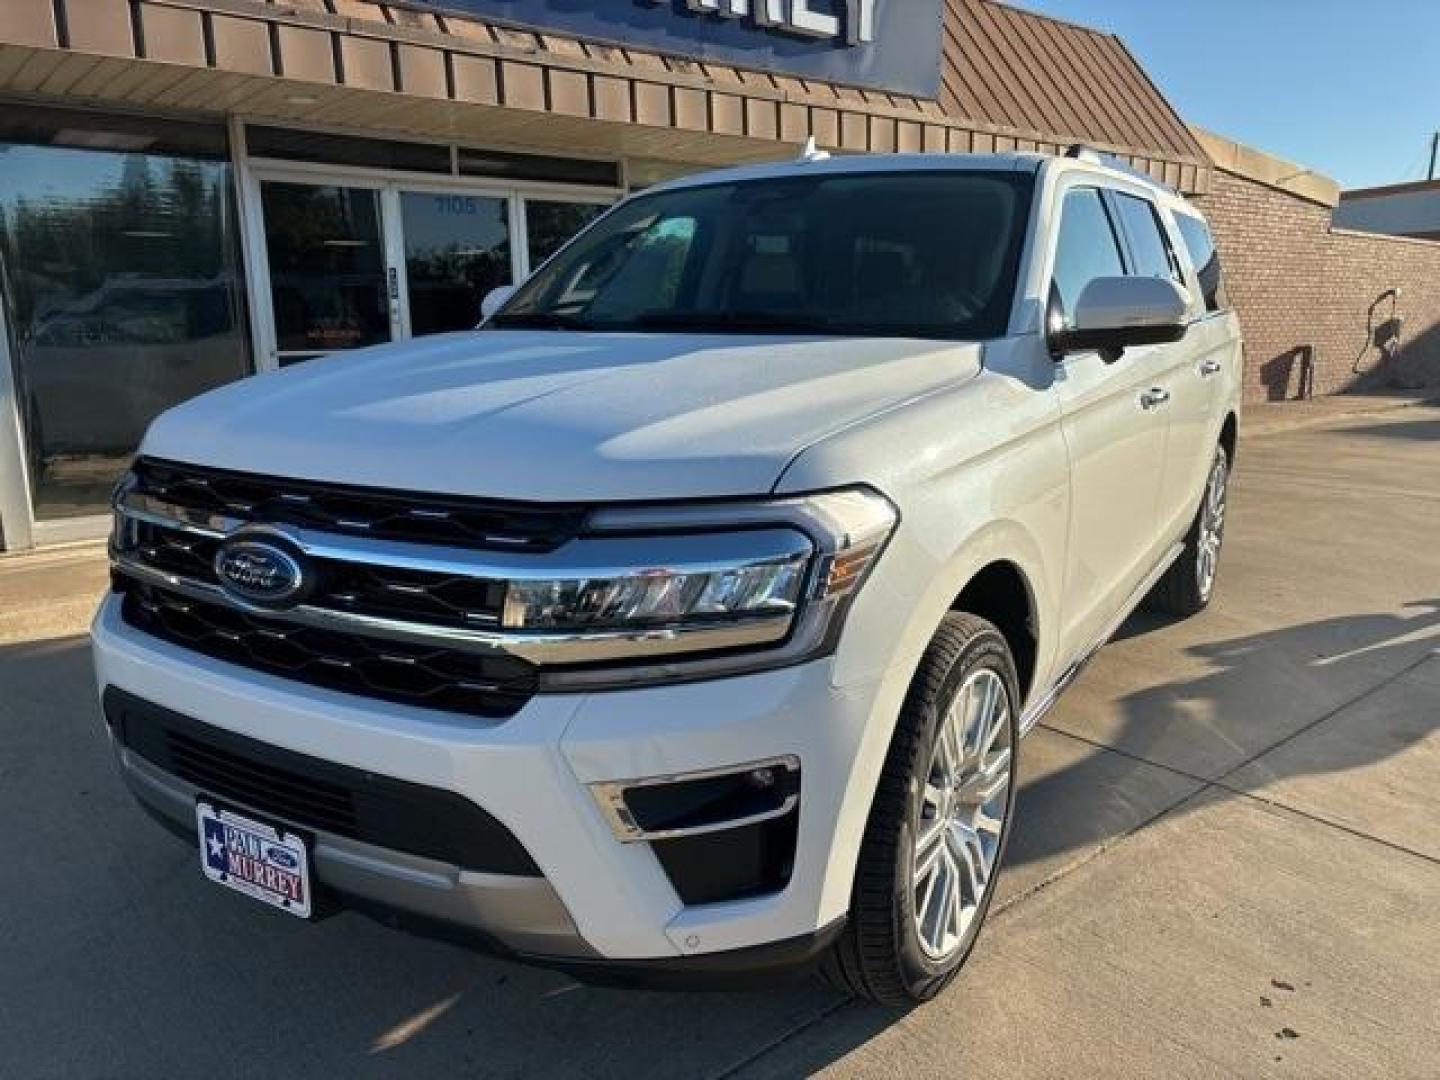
<point x="1007" y="66"/>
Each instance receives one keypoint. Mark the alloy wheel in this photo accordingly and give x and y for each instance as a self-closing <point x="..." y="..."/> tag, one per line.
<point x="962" y="814"/>
<point x="1212" y="526"/>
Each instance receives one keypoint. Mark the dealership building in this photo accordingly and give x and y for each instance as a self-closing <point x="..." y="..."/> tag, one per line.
<point x="194" y="191"/>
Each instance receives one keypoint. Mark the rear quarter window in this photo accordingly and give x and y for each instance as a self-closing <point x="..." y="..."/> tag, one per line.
<point x="1206" y="260"/>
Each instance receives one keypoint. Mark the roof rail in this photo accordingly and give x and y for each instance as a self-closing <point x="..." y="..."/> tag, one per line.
<point x="1081" y="152"/>
<point x="812" y="153"/>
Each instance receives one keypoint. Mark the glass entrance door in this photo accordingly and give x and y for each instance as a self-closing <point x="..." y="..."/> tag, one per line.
<point x="356" y="260"/>
<point x="457" y="248"/>
<point x="330" y="288"/>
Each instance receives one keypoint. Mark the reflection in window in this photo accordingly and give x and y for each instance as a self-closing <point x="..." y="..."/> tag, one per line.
<point x="550" y="225"/>
<point x="122" y="292"/>
<point x="457" y="248"/>
<point x="1148" y="243"/>
<point x="1087" y="248"/>
<point x="327" y="267"/>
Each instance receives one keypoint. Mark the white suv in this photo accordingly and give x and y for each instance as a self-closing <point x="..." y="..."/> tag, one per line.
<point x="683" y="621"/>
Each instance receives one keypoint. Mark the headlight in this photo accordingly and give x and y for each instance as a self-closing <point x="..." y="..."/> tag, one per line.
<point x="734" y="578"/>
<point x="704" y="590"/>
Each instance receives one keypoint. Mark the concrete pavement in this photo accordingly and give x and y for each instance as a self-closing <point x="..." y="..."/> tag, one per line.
<point x="1227" y="863"/>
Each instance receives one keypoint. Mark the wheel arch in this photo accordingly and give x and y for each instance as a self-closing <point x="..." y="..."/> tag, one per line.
<point x="1230" y="436"/>
<point x="1001" y="593"/>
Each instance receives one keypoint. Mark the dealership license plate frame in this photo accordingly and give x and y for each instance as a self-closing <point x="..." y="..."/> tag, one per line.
<point x="267" y="835"/>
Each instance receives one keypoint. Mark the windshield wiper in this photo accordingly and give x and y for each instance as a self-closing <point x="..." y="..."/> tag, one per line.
<point x="733" y="321"/>
<point x="539" y="320"/>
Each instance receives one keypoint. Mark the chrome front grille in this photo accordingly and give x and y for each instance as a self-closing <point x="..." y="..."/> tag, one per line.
<point x="438" y="678"/>
<point x="359" y="511"/>
<point x="390" y="592"/>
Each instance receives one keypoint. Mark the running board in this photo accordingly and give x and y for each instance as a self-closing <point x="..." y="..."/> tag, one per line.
<point x="1046" y="701"/>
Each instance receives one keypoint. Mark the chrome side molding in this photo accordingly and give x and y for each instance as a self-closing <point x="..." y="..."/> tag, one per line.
<point x="1041" y="705"/>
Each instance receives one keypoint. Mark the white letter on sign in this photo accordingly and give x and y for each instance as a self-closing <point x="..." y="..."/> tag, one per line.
<point x="770" y="12"/>
<point x="805" y="20"/>
<point x="861" y="22"/>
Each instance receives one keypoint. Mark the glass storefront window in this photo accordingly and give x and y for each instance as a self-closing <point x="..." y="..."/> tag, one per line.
<point x="121" y="280"/>
<point x="549" y="225"/>
<point x="327" y="268"/>
<point x="457" y="248"/>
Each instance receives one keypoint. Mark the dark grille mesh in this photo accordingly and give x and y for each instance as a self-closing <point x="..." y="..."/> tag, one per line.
<point x="437" y="678"/>
<point x="357" y="511"/>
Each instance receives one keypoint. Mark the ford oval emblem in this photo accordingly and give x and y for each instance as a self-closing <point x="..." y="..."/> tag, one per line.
<point x="282" y="857"/>
<point x="260" y="572"/>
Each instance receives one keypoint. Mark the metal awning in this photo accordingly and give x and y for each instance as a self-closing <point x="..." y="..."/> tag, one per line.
<point x="390" y="68"/>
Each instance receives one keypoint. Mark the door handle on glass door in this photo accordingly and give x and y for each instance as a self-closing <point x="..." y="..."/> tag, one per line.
<point x="1154" y="398"/>
<point x="1210" y="367"/>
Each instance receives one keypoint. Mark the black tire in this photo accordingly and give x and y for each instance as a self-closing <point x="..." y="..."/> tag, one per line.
<point x="879" y="955"/>
<point x="1184" y="590"/>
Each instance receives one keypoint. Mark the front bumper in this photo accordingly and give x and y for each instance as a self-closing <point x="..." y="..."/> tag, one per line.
<point x="597" y="899"/>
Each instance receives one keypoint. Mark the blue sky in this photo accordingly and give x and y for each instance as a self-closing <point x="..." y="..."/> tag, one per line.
<point x="1348" y="87"/>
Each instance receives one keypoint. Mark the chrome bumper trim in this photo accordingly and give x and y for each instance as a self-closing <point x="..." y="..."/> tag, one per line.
<point x="522" y="913"/>
<point x="610" y="795"/>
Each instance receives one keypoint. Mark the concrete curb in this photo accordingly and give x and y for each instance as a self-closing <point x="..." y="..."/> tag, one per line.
<point x="1293" y="416"/>
<point x="66" y="618"/>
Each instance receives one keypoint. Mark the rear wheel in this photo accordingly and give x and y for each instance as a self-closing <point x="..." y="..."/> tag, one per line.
<point x="1189" y="584"/>
<point x="941" y="818"/>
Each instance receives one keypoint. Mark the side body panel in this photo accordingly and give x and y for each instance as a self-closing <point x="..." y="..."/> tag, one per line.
<point x="980" y="475"/>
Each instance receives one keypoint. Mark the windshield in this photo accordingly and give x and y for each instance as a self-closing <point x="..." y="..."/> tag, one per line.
<point x="914" y="254"/>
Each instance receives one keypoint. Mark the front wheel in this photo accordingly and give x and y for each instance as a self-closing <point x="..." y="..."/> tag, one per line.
<point x="937" y="832"/>
<point x="1189" y="584"/>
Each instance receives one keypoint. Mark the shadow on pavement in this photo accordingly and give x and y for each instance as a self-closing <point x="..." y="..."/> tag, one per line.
<point x="1421" y="430"/>
<point x="1288" y="678"/>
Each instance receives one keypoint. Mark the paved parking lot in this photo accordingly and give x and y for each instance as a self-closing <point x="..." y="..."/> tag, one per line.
<point x="1227" y="863"/>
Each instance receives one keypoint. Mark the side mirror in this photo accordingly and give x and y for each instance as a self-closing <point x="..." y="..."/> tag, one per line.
<point x="1114" y="313"/>
<point x="494" y="301"/>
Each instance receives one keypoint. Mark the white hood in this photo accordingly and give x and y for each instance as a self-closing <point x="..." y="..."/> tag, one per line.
<point x="546" y="416"/>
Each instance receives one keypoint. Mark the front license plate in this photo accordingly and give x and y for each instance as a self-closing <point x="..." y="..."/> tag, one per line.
<point x="259" y="860"/>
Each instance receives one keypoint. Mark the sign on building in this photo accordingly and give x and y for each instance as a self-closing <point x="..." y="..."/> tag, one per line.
<point x="886" y="44"/>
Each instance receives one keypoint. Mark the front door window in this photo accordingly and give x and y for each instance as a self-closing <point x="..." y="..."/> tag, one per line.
<point x="328" y="281"/>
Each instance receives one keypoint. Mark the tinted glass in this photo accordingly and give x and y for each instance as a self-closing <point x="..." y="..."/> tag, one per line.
<point x="1204" y="258"/>
<point x="457" y="248"/>
<point x="294" y="145"/>
<point x="914" y="254"/>
<point x="533" y="167"/>
<point x="550" y="225"/>
<point x="327" y="268"/>
<point x="122" y="291"/>
<point x="1087" y="248"/>
<point x="1149" y="246"/>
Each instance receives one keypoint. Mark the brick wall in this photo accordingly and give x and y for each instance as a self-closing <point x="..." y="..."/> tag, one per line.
<point x="1315" y="303"/>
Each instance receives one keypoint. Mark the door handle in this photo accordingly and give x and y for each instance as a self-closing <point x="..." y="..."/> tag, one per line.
<point x="1210" y="367"/>
<point x="1154" y="398"/>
